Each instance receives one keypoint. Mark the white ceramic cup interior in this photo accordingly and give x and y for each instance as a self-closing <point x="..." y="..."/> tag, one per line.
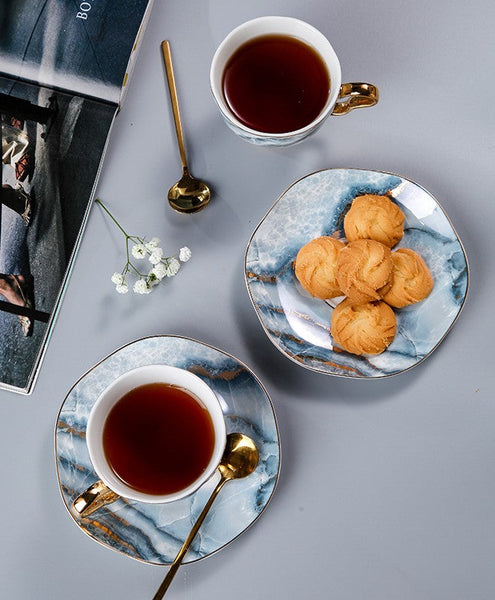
<point x="277" y="26"/>
<point x="136" y="378"/>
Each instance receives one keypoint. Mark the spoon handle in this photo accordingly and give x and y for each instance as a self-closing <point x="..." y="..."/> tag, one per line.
<point x="167" y="58"/>
<point x="185" y="546"/>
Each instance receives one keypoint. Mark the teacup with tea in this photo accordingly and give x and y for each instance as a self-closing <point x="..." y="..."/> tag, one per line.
<point x="276" y="79"/>
<point x="156" y="434"/>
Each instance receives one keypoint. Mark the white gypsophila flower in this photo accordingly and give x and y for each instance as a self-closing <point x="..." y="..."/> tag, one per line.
<point x="159" y="271"/>
<point x="141" y="286"/>
<point x="184" y="254"/>
<point x="152" y="279"/>
<point x="153" y="243"/>
<point x="138" y="251"/>
<point x="172" y="267"/>
<point x="156" y="256"/>
<point x="122" y="288"/>
<point x="138" y="247"/>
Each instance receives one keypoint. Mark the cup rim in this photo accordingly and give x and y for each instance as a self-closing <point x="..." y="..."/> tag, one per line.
<point x="335" y="74"/>
<point x="114" y="392"/>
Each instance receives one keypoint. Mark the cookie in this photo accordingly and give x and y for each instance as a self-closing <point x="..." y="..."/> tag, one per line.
<point x="364" y="269"/>
<point x="376" y="218"/>
<point x="363" y="328"/>
<point x="315" y="267"/>
<point x="411" y="279"/>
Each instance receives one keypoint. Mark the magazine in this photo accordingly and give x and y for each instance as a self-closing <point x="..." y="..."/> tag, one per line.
<point x="64" y="69"/>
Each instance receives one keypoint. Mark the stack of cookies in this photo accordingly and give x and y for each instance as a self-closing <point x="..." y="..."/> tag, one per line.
<point x="365" y="270"/>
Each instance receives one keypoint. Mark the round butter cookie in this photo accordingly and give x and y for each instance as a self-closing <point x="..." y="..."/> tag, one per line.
<point x="376" y="218"/>
<point x="363" y="328"/>
<point x="315" y="267"/>
<point x="411" y="279"/>
<point x="364" y="269"/>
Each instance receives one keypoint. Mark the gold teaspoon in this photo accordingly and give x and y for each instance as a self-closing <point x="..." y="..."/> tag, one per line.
<point x="240" y="459"/>
<point x="189" y="194"/>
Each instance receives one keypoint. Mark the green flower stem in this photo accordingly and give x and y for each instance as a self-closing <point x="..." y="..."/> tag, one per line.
<point x="132" y="238"/>
<point x="98" y="201"/>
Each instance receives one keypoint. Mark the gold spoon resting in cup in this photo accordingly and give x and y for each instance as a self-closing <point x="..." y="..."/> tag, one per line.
<point x="189" y="194"/>
<point x="239" y="460"/>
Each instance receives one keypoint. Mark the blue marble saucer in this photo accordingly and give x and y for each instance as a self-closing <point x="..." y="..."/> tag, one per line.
<point x="154" y="533"/>
<point x="299" y="325"/>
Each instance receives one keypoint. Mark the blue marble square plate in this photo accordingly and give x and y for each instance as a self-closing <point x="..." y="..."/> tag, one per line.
<point x="299" y="325"/>
<point x="154" y="533"/>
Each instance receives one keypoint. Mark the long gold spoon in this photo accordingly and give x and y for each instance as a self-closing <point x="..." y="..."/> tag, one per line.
<point x="240" y="459"/>
<point x="189" y="194"/>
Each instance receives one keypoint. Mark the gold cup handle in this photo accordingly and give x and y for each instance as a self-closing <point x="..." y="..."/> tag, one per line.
<point x="93" y="498"/>
<point x="355" y="95"/>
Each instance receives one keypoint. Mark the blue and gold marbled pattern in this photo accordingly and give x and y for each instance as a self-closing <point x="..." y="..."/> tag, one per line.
<point x="263" y="139"/>
<point x="298" y="325"/>
<point x="155" y="532"/>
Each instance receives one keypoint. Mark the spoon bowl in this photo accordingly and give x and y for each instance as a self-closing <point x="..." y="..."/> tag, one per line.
<point x="189" y="194"/>
<point x="240" y="459"/>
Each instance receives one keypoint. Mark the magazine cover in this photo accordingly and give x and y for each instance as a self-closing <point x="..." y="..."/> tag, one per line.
<point x="80" y="47"/>
<point x="62" y="68"/>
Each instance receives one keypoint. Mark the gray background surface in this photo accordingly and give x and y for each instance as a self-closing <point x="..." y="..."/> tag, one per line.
<point x="387" y="487"/>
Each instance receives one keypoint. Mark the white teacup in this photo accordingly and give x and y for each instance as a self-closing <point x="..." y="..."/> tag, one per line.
<point x="111" y="486"/>
<point x="341" y="98"/>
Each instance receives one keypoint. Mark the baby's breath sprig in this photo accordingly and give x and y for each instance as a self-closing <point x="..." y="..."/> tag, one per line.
<point x="138" y="248"/>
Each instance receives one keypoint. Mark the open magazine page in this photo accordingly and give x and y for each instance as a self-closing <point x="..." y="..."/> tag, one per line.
<point x="79" y="47"/>
<point x="52" y="146"/>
